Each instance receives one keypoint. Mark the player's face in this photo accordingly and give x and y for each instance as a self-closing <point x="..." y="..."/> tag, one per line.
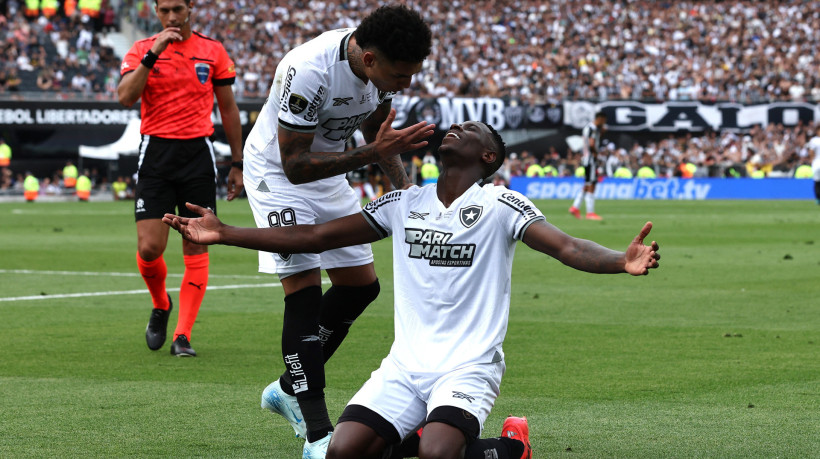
<point x="173" y="13"/>
<point x="470" y="139"/>
<point x="390" y="76"/>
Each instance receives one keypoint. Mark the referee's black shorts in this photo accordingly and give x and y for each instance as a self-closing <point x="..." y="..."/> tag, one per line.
<point x="172" y="172"/>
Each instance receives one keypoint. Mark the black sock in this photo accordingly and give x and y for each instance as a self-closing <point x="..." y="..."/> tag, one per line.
<point x="341" y="305"/>
<point x="314" y="410"/>
<point x="504" y="448"/>
<point x="304" y="363"/>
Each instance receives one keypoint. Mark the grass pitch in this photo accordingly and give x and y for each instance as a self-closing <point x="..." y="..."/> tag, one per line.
<point x="715" y="354"/>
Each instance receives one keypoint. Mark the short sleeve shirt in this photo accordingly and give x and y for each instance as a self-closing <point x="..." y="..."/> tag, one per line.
<point x="452" y="272"/>
<point x="314" y="91"/>
<point x="178" y="99"/>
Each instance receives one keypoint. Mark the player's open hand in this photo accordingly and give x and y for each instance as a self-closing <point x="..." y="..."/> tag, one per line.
<point x="641" y="258"/>
<point x="390" y="142"/>
<point x="203" y="230"/>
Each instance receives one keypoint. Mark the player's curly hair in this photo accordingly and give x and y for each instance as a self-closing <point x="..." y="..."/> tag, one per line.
<point x="500" y="152"/>
<point x="397" y="31"/>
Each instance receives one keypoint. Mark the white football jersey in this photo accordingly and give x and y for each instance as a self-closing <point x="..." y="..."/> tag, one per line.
<point x="452" y="272"/>
<point x="313" y="91"/>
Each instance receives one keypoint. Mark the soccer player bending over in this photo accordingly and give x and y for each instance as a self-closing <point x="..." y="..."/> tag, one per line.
<point x="295" y="166"/>
<point x="453" y="249"/>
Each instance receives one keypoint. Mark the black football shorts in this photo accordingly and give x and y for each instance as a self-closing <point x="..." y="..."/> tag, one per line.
<point x="172" y="172"/>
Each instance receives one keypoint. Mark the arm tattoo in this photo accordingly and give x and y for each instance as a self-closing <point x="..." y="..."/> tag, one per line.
<point x="392" y="167"/>
<point x="302" y="165"/>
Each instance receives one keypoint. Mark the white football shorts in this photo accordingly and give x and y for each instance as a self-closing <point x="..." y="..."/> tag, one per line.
<point x="274" y="209"/>
<point x="406" y="399"/>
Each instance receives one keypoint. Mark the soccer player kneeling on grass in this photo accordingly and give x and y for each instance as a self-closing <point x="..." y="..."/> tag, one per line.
<point x="453" y="248"/>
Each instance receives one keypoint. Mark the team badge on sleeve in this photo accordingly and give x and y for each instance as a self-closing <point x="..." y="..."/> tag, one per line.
<point x="297" y="103"/>
<point x="469" y="215"/>
<point x="203" y="71"/>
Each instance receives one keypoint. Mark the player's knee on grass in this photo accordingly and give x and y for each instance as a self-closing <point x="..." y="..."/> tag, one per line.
<point x="447" y="432"/>
<point x="361" y="433"/>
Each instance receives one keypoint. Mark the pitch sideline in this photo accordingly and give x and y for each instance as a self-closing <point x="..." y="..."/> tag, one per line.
<point x="126" y="292"/>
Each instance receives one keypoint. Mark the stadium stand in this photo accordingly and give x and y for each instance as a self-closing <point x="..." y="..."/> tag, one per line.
<point x="535" y="51"/>
<point x="728" y="50"/>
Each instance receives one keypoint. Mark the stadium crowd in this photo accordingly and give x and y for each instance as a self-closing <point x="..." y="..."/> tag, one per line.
<point x="44" y="51"/>
<point x="773" y="151"/>
<point x="536" y="51"/>
<point x="527" y="49"/>
<point x="730" y="50"/>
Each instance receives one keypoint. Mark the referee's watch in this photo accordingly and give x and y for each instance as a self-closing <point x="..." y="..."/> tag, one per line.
<point x="237" y="164"/>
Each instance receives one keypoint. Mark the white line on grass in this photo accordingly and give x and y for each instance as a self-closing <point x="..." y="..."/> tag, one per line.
<point x="91" y="273"/>
<point x="122" y="292"/>
<point x="51" y="211"/>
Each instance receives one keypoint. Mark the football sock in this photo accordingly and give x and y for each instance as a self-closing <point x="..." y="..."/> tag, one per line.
<point x="154" y="274"/>
<point x="500" y="448"/>
<point x="302" y="353"/>
<point x="341" y="305"/>
<point x="314" y="409"/>
<point x="590" y="201"/>
<point x="577" y="202"/>
<point x="192" y="291"/>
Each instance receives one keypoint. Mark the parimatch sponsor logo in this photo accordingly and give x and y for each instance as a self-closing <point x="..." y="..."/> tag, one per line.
<point x="435" y="246"/>
<point x="343" y="128"/>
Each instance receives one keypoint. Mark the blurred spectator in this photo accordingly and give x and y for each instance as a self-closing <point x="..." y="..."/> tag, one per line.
<point x="119" y="189"/>
<point x="429" y="169"/>
<point x="5" y="153"/>
<point x="31" y="187"/>
<point x="45" y="79"/>
<point x="6" y="179"/>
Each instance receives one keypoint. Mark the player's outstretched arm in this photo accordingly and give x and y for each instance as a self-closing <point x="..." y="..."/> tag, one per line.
<point x="208" y="229"/>
<point x="302" y="165"/>
<point x="592" y="257"/>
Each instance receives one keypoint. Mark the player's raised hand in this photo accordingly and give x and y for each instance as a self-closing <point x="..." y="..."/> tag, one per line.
<point x="390" y="142"/>
<point x="204" y="230"/>
<point x="641" y="258"/>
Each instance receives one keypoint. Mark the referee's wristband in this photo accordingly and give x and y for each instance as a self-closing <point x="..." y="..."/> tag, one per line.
<point x="149" y="59"/>
<point x="237" y="164"/>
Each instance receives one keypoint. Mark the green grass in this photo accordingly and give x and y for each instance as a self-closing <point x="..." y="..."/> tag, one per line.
<point x="716" y="354"/>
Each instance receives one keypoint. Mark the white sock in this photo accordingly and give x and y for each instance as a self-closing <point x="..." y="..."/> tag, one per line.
<point x="578" y="197"/>
<point x="590" y="200"/>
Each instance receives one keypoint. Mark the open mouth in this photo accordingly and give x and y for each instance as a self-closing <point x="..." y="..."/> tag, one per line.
<point x="452" y="134"/>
